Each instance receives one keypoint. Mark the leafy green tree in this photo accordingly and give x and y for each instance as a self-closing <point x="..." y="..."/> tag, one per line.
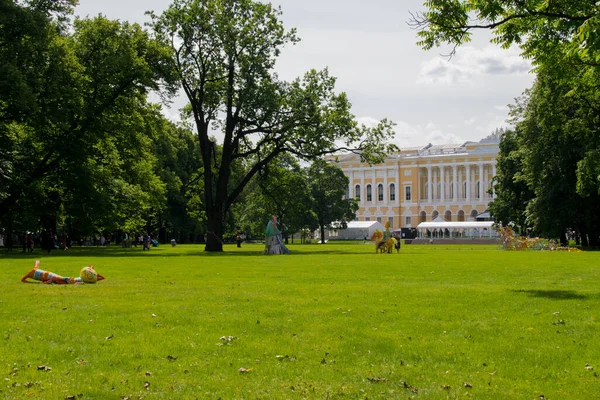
<point x="225" y="51"/>
<point x="328" y="185"/>
<point x="74" y="119"/>
<point x="511" y="191"/>
<point x="286" y="193"/>
<point x="179" y="168"/>
<point x="538" y="27"/>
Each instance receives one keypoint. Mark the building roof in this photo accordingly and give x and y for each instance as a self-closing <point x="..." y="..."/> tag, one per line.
<point x="456" y="225"/>
<point x="362" y="224"/>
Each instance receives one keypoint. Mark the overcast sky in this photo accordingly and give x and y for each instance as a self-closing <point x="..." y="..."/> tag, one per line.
<point x="372" y="51"/>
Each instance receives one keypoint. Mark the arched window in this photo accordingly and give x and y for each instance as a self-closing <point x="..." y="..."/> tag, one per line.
<point x="357" y="192"/>
<point x="392" y="192"/>
<point x="448" y="215"/>
<point x="474" y="215"/>
<point x="380" y="192"/>
<point x="434" y="215"/>
<point x="423" y="216"/>
<point x="461" y="215"/>
<point x="369" y="194"/>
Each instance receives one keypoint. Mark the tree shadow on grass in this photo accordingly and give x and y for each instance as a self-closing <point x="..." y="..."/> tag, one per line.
<point x="115" y="251"/>
<point x="554" y="294"/>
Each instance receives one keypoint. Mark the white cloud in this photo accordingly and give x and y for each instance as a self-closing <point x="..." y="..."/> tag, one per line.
<point x="470" y="63"/>
<point x="408" y="135"/>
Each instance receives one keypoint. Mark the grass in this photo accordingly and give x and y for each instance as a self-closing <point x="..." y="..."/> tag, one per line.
<point x="332" y="321"/>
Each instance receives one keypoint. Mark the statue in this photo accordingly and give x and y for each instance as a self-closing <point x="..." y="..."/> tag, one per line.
<point x="273" y="239"/>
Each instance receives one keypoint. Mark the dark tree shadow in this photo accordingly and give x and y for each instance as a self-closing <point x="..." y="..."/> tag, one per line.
<point x="554" y="294"/>
<point x="117" y="251"/>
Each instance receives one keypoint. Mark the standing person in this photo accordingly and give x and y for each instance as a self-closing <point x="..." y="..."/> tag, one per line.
<point x="238" y="239"/>
<point x="29" y="241"/>
<point x="146" y="241"/>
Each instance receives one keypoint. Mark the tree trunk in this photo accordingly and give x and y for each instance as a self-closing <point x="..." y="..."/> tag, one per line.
<point x="584" y="239"/>
<point x="563" y="239"/>
<point x="214" y="236"/>
<point x="322" y="233"/>
<point x="594" y="239"/>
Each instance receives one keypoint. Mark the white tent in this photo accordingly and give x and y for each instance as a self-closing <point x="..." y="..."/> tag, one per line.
<point x="357" y="230"/>
<point x="480" y="229"/>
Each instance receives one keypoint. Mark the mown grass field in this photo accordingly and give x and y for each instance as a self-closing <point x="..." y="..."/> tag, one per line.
<point x="332" y="321"/>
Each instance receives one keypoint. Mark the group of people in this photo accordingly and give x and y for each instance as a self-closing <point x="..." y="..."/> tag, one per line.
<point x="145" y="240"/>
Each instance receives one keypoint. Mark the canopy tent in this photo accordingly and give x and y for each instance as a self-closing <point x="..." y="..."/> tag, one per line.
<point x="357" y="230"/>
<point x="484" y="216"/>
<point x="457" y="229"/>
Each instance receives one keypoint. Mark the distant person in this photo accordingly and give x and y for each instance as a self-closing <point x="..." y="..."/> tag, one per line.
<point x="29" y="241"/>
<point x="238" y="240"/>
<point x="146" y="241"/>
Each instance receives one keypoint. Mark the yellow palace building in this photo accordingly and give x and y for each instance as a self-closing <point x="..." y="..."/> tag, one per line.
<point x="434" y="182"/>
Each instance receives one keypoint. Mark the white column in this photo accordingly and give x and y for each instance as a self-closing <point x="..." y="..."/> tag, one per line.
<point x="429" y="185"/>
<point x="468" y="179"/>
<point x="442" y="184"/>
<point x="454" y="183"/>
<point x="386" y="194"/>
<point x="363" y="191"/>
<point x="435" y="172"/>
<point x="493" y="175"/>
<point x="481" y="182"/>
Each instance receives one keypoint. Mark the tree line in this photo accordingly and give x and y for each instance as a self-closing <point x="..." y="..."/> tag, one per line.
<point x="84" y="151"/>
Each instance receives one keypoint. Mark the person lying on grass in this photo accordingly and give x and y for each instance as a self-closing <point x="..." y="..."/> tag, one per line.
<point x="87" y="275"/>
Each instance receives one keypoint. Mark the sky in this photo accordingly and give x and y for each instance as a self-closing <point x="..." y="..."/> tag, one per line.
<point x="372" y="51"/>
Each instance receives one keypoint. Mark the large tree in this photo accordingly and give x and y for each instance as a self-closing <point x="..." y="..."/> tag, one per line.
<point x="225" y="51"/>
<point x="328" y="185"/>
<point x="511" y="191"/>
<point x="74" y="120"/>
<point x="285" y="190"/>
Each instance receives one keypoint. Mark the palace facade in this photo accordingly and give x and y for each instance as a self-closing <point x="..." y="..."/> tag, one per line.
<point x="414" y="185"/>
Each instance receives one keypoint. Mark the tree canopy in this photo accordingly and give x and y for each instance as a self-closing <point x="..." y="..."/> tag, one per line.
<point x="76" y="129"/>
<point x="539" y="27"/>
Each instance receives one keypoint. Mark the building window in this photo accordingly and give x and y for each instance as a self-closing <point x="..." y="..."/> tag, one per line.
<point x="478" y="187"/>
<point x="407" y="194"/>
<point x="407" y="172"/>
<point x="392" y="192"/>
<point x="367" y="218"/>
<point x="380" y="192"/>
<point x="357" y="192"/>
<point x="391" y="221"/>
<point x="407" y="221"/>
<point x="369" y="194"/>
<point x="379" y="219"/>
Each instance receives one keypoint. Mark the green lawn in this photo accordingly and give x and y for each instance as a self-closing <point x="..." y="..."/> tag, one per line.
<point x="332" y="321"/>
